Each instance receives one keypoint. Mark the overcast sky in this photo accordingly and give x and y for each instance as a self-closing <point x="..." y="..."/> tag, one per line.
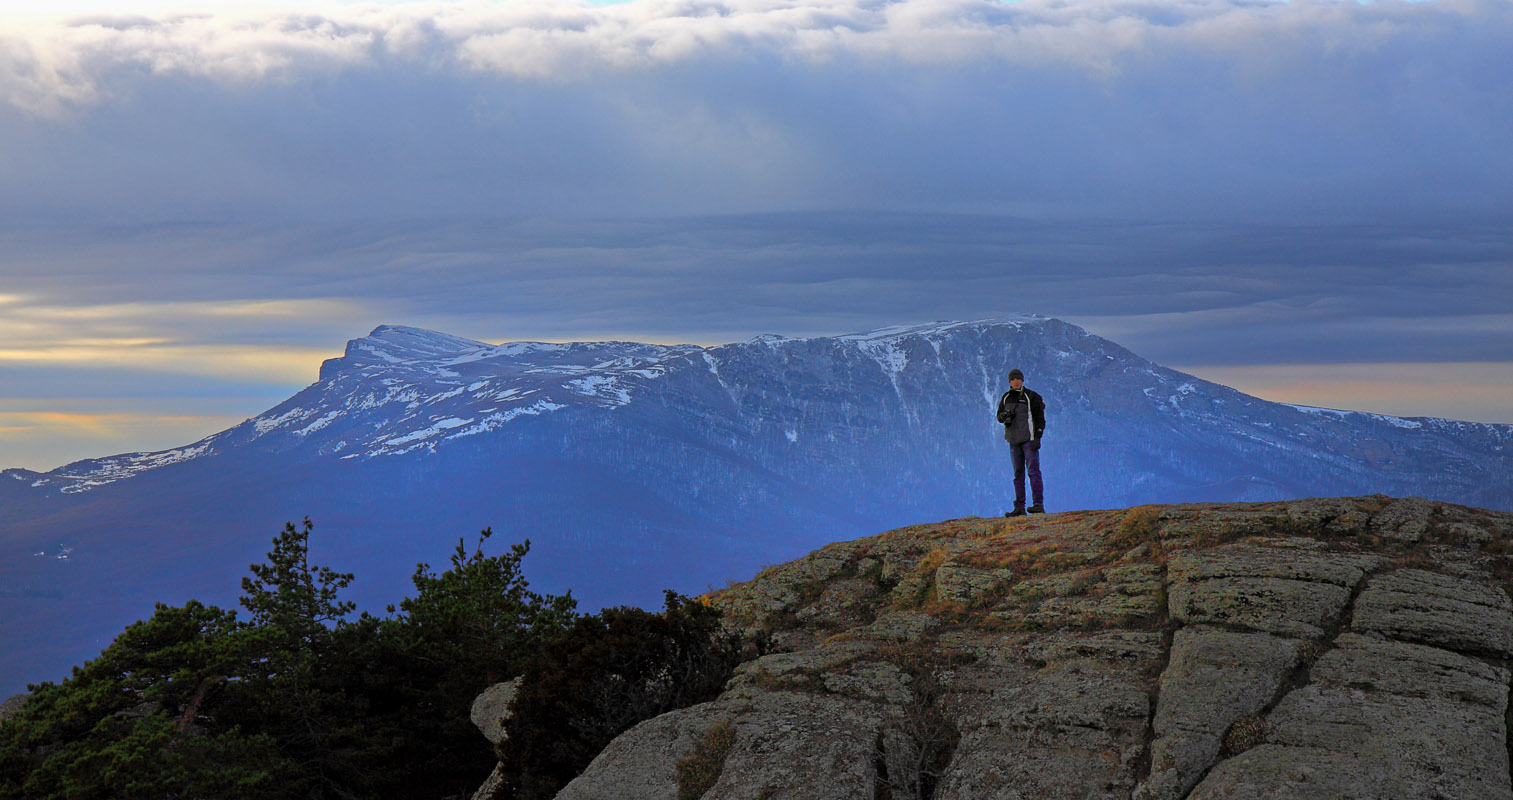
<point x="199" y="202"/>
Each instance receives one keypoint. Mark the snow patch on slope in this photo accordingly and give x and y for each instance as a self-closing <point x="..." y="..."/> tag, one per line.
<point x="263" y="425"/>
<point x="888" y="356"/>
<point x="900" y="331"/>
<point x="1396" y="422"/>
<point x="325" y="419"/>
<point x="493" y="421"/>
<point x="110" y="470"/>
<point x="426" y="433"/>
<point x="604" y="387"/>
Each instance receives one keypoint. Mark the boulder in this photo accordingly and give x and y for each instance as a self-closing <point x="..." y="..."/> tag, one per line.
<point x="1118" y="594"/>
<point x="1406" y="520"/>
<point x="899" y="626"/>
<point x="792" y="745"/>
<point x="961" y="584"/>
<point x="491" y="709"/>
<point x="12" y="706"/>
<point x="641" y="764"/>
<point x="842" y="603"/>
<point x="1074" y="727"/>
<point x="798" y="746"/>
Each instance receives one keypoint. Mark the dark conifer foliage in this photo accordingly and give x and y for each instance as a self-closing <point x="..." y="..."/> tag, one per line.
<point x="296" y="701"/>
<point x="481" y="612"/>
<point x="289" y="595"/>
<point x="611" y="671"/>
<point x="139" y="721"/>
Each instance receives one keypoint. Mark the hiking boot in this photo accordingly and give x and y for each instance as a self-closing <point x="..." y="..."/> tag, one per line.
<point x="1036" y="509"/>
<point x="1017" y="512"/>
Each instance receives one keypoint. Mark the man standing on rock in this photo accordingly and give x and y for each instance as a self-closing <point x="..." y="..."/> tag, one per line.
<point x="1022" y="413"/>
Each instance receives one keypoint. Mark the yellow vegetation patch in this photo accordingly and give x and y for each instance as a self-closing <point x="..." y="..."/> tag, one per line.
<point x="700" y="770"/>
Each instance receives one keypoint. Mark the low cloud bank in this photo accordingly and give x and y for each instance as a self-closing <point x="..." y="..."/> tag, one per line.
<point x="1236" y="294"/>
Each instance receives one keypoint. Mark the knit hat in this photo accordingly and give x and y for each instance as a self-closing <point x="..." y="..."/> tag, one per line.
<point x="1015" y="373"/>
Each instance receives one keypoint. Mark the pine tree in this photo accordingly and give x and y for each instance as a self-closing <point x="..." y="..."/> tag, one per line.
<point x="480" y="616"/>
<point x="291" y="595"/>
<point x="141" y="720"/>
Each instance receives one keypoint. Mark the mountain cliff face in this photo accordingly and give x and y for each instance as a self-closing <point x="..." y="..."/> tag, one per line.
<point x="1328" y="649"/>
<point x="635" y="467"/>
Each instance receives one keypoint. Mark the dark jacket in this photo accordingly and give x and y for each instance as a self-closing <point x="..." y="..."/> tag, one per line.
<point x="1023" y="416"/>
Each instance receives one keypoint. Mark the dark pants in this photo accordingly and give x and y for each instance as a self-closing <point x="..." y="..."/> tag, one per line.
<point x="1026" y="456"/>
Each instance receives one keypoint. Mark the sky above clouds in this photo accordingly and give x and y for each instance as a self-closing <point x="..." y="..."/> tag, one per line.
<point x="198" y="202"/>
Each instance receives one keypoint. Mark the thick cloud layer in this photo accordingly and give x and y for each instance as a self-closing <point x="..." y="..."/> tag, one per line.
<point x="1110" y="107"/>
<point x="1239" y="294"/>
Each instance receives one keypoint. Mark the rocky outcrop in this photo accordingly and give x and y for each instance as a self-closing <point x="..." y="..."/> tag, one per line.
<point x="491" y="709"/>
<point x="1290" y="587"/>
<point x="13" y="706"/>
<point x="1328" y="648"/>
<point x="1442" y="610"/>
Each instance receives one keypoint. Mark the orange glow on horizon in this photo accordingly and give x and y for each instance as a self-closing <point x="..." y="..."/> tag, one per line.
<point x="1471" y="391"/>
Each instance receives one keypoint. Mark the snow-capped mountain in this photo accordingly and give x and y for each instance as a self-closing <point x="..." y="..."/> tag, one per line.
<point x="636" y="467"/>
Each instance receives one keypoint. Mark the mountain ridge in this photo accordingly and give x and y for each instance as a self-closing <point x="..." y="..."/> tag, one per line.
<point x="416" y="346"/>
<point x="390" y="346"/>
<point x="634" y="467"/>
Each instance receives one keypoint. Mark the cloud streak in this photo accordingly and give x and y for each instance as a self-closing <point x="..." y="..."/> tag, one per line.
<point x="1179" y="293"/>
<point x="39" y="439"/>
<point x="1474" y="391"/>
<point x="267" y="340"/>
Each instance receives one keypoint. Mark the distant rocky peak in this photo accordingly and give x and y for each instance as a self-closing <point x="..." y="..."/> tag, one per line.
<point x="925" y="329"/>
<point x="941" y="326"/>
<point x="412" y="344"/>
<point x="389" y="346"/>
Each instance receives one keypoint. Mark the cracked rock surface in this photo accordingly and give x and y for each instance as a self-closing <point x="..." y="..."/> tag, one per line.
<point x="1214" y="678"/>
<point x="1380" y="719"/>
<point x="1419" y="606"/>
<point x="1072" y="728"/>
<point x="1324" y="648"/>
<point x="1287" y="587"/>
